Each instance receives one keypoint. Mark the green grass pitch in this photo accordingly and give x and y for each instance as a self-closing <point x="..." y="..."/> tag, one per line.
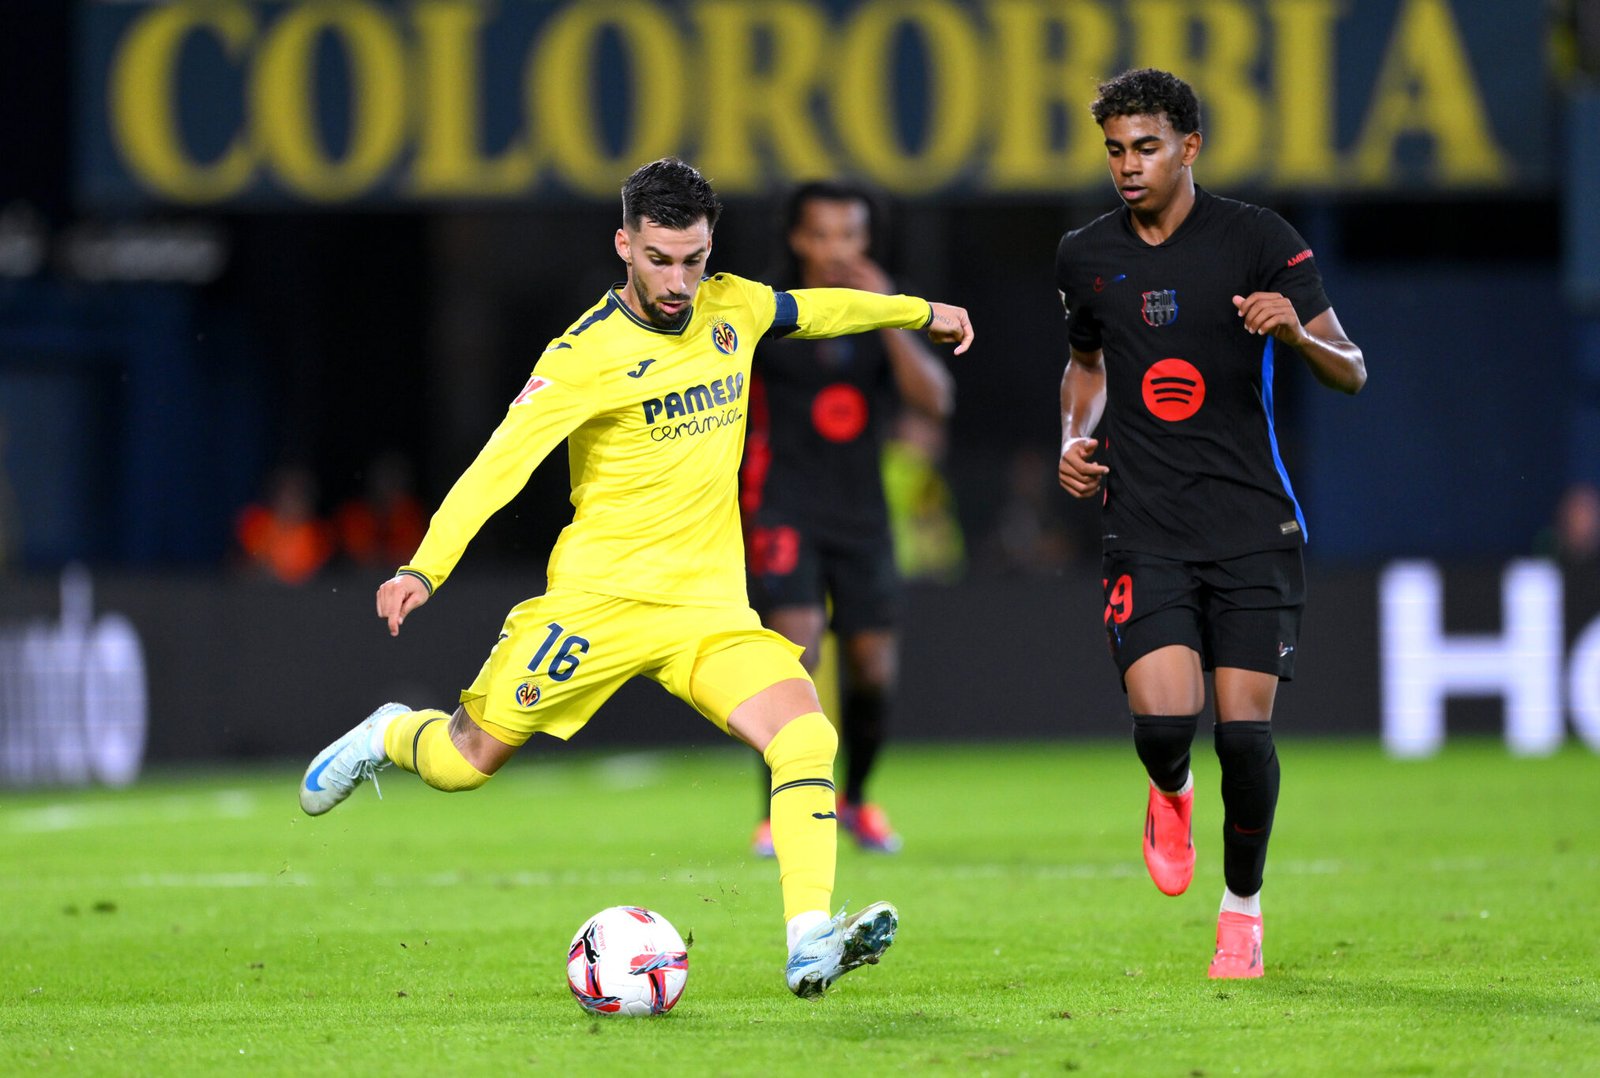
<point x="1437" y="917"/>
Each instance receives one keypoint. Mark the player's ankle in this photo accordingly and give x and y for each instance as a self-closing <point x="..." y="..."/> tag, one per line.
<point x="1187" y="787"/>
<point x="1249" y="905"/>
<point x="801" y="923"/>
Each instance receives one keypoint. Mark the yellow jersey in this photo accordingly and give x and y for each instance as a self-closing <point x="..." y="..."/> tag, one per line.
<point x="655" y="421"/>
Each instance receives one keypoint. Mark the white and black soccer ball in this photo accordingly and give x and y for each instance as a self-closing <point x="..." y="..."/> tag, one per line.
<point x="627" y="960"/>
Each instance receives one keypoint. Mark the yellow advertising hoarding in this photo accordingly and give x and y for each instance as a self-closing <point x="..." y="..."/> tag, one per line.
<point x="210" y="102"/>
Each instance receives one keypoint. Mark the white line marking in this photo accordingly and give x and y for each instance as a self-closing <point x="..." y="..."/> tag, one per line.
<point x="130" y="812"/>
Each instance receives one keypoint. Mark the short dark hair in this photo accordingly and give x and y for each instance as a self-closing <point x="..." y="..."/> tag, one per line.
<point x="1147" y="91"/>
<point x="788" y="269"/>
<point x="671" y="193"/>
<point x="828" y="191"/>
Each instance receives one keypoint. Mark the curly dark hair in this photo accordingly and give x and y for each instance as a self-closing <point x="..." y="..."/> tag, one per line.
<point x="1148" y="91"/>
<point x="671" y="193"/>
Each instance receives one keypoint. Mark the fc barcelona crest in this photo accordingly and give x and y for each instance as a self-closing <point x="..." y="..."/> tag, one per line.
<point x="1160" y="308"/>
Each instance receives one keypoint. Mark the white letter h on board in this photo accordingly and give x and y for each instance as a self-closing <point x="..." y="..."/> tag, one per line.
<point x="1422" y="666"/>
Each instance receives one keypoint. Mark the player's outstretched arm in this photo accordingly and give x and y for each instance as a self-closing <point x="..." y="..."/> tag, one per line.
<point x="1334" y="359"/>
<point x="924" y="382"/>
<point x="867" y="276"/>
<point x="950" y="325"/>
<point x="819" y="313"/>
<point x="399" y="596"/>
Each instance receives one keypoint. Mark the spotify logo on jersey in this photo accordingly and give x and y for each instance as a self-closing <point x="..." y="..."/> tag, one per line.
<point x="839" y="412"/>
<point x="1173" y="389"/>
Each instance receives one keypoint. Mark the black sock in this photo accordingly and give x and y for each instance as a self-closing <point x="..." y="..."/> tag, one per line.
<point x="1249" y="798"/>
<point x="1162" y="742"/>
<point x="861" y="728"/>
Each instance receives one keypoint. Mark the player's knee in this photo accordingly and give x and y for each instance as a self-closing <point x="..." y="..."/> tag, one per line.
<point x="484" y="744"/>
<point x="872" y="684"/>
<point x="873" y="661"/>
<point x="808" y="742"/>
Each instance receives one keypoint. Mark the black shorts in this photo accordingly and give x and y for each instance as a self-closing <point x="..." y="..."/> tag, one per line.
<point x="1243" y="612"/>
<point x="791" y="565"/>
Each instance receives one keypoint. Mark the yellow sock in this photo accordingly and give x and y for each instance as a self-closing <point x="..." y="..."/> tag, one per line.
<point x="419" y="741"/>
<point x="804" y="829"/>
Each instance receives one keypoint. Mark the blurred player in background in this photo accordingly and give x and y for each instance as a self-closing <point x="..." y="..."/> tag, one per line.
<point x="648" y="388"/>
<point x="1179" y="306"/>
<point x="929" y="544"/>
<point x="282" y="535"/>
<point x="817" y="528"/>
<point x="385" y="523"/>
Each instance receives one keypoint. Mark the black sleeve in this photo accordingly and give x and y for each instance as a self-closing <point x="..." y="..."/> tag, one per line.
<point x="1286" y="265"/>
<point x="1083" y="329"/>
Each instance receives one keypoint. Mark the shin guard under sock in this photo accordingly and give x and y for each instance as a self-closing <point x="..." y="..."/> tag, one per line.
<point x="1162" y="742"/>
<point x="419" y="741"/>
<point x="804" y="825"/>
<point x="1250" y="776"/>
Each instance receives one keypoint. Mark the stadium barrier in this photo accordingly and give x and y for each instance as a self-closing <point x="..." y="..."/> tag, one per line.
<point x="243" y="668"/>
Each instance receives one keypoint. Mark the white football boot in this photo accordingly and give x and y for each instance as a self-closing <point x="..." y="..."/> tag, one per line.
<point x="834" y="948"/>
<point x="348" y="762"/>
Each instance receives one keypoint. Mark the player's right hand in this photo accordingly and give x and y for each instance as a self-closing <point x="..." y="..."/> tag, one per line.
<point x="1080" y="476"/>
<point x="399" y="596"/>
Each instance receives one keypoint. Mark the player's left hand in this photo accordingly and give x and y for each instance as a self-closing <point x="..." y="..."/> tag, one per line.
<point x="1270" y="312"/>
<point x="950" y="324"/>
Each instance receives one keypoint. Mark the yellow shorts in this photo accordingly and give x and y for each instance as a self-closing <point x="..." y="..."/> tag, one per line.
<point x="563" y="654"/>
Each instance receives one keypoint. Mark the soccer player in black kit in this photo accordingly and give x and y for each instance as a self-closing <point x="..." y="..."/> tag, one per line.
<point x="816" y="524"/>
<point x="1180" y="305"/>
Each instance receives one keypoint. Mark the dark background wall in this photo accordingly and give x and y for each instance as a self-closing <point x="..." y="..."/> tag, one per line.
<point x="161" y="361"/>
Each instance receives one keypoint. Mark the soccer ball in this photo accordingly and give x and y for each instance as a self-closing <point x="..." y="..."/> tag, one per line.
<point x="627" y="960"/>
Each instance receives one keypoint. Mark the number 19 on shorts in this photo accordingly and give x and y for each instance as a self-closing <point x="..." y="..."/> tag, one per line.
<point x="1119" y="600"/>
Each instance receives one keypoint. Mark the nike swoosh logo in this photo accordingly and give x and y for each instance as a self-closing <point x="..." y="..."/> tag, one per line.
<point x="824" y="815"/>
<point x="640" y="372"/>
<point x="316" y="773"/>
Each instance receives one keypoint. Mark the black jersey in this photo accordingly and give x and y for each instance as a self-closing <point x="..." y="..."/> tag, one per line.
<point x="1189" y="438"/>
<point x="819" y="413"/>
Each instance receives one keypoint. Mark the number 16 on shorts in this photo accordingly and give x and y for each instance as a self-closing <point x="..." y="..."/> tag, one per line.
<point x="564" y="658"/>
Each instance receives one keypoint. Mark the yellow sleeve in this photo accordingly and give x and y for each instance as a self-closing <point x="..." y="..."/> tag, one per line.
<point x="835" y="312"/>
<point x="549" y="408"/>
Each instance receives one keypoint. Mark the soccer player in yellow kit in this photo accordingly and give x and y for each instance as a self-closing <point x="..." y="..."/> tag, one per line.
<point x="648" y="388"/>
